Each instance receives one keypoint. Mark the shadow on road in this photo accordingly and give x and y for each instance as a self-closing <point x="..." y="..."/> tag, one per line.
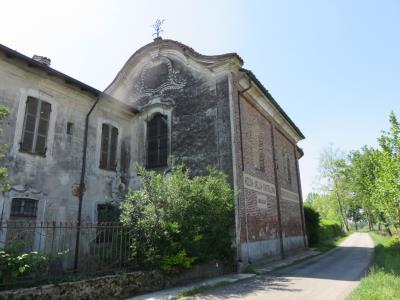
<point x="345" y="264"/>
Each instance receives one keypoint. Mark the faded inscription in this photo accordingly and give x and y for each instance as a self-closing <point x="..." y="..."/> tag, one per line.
<point x="261" y="200"/>
<point x="289" y="196"/>
<point x="258" y="185"/>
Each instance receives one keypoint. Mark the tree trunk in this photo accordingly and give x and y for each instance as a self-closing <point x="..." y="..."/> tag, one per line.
<point x="370" y="223"/>
<point x="341" y="209"/>
<point x="388" y="230"/>
<point x="356" y="226"/>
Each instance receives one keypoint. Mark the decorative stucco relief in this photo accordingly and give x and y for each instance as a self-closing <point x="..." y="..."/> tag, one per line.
<point x="157" y="77"/>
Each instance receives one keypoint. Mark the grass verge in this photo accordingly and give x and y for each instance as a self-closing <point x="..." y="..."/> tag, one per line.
<point x="383" y="280"/>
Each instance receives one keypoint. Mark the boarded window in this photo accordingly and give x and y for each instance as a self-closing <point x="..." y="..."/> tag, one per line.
<point x="108" y="154"/>
<point x="289" y="175"/>
<point x="70" y="128"/>
<point x="157" y="141"/>
<point x="36" y="124"/>
<point x="23" y="207"/>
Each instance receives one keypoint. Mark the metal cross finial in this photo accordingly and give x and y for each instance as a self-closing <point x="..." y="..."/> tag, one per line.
<point x="157" y="27"/>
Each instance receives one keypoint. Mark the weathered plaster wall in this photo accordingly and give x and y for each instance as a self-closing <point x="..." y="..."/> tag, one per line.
<point x="195" y="99"/>
<point x="52" y="179"/>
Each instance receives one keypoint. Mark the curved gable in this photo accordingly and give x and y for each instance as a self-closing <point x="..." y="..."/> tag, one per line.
<point x="161" y="67"/>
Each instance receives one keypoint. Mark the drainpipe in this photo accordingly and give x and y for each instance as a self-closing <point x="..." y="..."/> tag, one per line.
<point x="242" y="158"/>
<point x="82" y="183"/>
<point x="300" y="198"/>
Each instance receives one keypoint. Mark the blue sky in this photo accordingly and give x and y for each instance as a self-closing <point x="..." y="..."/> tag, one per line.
<point x="334" y="66"/>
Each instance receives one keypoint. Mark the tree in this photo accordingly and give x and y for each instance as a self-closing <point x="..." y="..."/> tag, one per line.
<point x="332" y="168"/>
<point x="362" y="177"/>
<point x="388" y="179"/>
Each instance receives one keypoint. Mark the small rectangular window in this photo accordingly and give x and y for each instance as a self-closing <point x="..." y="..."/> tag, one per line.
<point x="36" y="124"/>
<point x="22" y="207"/>
<point x="70" y="128"/>
<point x="108" y="151"/>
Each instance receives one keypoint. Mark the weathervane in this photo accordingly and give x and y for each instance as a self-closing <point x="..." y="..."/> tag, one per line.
<point x="157" y="27"/>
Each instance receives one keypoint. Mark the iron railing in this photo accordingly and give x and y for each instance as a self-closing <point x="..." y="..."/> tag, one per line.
<point x="103" y="246"/>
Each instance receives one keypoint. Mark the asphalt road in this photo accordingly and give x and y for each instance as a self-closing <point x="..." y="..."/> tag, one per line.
<point x="331" y="276"/>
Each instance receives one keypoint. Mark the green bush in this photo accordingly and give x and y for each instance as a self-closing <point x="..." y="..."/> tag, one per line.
<point x="329" y="230"/>
<point x="14" y="263"/>
<point x="176" y="220"/>
<point x="312" y="220"/>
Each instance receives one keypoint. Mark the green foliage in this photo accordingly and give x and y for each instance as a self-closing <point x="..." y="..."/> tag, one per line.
<point x="326" y="205"/>
<point x="14" y="263"/>
<point x="312" y="220"/>
<point x="365" y="187"/>
<point x="179" y="260"/>
<point x="329" y="230"/>
<point x="176" y="219"/>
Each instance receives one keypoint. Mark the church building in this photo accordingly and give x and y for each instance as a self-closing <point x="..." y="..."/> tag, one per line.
<point x="72" y="149"/>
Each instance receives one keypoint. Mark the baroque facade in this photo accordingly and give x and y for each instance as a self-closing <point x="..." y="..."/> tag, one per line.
<point x="168" y="102"/>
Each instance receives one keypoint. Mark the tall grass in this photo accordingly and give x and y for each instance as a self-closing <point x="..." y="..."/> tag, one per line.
<point x="383" y="280"/>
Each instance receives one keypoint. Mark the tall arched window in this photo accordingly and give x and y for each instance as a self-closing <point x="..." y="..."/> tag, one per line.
<point x="157" y="141"/>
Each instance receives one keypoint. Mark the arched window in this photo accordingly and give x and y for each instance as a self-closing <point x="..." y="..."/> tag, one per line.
<point x="157" y="141"/>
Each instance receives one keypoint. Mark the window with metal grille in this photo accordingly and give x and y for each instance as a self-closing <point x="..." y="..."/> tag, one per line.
<point x="23" y="207"/>
<point x="36" y="124"/>
<point x="107" y="215"/>
<point x="157" y="141"/>
<point x="108" y="154"/>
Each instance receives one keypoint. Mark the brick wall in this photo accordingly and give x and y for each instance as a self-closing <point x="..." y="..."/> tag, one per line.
<point x="258" y="186"/>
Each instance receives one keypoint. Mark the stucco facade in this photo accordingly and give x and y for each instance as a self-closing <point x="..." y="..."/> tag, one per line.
<point x="217" y="114"/>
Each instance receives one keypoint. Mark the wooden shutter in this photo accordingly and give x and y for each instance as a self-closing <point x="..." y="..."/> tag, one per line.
<point x="104" y="146"/>
<point x="36" y="124"/>
<point x="113" y="149"/>
<point x="43" y="124"/>
<point x="109" y="143"/>
<point x="29" y="124"/>
<point x="163" y="141"/>
<point x="157" y="141"/>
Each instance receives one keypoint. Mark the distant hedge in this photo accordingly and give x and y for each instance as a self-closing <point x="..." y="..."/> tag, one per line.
<point x="329" y="230"/>
<point x="312" y="220"/>
<point x="319" y="230"/>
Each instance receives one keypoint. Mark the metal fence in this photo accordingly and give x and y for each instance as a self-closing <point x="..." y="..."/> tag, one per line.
<point x="102" y="247"/>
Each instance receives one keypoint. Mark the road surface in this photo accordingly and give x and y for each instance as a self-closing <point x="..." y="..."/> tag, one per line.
<point x="331" y="276"/>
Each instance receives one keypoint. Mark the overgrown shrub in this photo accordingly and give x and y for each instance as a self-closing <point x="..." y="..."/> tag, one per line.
<point x="176" y="220"/>
<point x="312" y="220"/>
<point x="329" y="230"/>
<point x="15" y="263"/>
